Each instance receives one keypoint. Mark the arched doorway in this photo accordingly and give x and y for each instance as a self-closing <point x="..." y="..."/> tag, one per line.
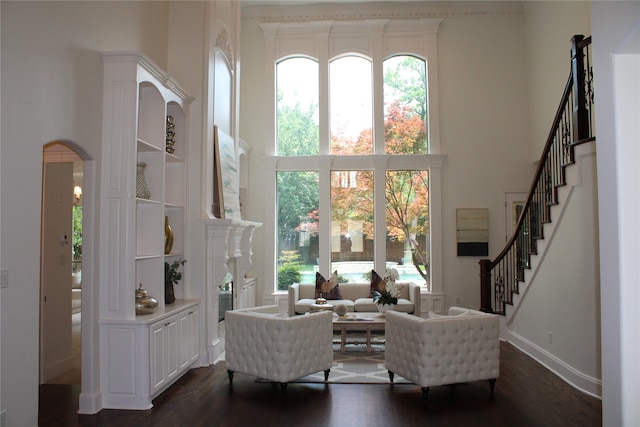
<point x="67" y="316"/>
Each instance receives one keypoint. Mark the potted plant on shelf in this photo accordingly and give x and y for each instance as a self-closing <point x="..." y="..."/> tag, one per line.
<point x="171" y="276"/>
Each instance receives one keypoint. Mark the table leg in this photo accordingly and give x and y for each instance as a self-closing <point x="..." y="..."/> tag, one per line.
<point x="369" y="340"/>
<point x="343" y="338"/>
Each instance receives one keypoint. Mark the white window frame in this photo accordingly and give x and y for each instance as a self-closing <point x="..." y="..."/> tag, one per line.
<point x="377" y="40"/>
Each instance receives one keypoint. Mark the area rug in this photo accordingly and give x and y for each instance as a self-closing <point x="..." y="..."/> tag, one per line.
<point x="355" y="366"/>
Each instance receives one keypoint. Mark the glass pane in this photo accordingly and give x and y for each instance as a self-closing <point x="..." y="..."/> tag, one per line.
<point x="351" y="105"/>
<point x="297" y="107"/>
<point x="352" y="224"/>
<point x="405" y="105"/>
<point x="407" y="220"/>
<point x="298" y="202"/>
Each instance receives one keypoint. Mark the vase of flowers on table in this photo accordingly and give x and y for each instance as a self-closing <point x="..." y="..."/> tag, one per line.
<point x="387" y="298"/>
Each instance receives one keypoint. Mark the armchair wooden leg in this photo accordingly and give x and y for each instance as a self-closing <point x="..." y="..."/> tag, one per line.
<point x="230" y="374"/>
<point x="492" y="385"/>
<point x="391" y="374"/>
<point x="283" y="388"/>
<point x="425" y="392"/>
<point x="326" y="374"/>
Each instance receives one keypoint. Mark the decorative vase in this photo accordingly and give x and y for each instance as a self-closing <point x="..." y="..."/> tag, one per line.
<point x="144" y="303"/>
<point x="383" y="308"/>
<point x="168" y="236"/>
<point x="169" y="295"/>
<point x="142" y="186"/>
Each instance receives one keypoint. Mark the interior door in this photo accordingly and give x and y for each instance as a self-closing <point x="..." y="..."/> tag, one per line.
<point x="55" y="275"/>
<point x="514" y="202"/>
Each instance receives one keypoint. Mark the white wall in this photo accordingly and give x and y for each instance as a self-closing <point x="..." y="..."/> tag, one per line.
<point x="557" y="318"/>
<point x="483" y="110"/>
<point x="51" y="90"/>
<point x="251" y="123"/>
<point x="187" y="22"/>
<point x="616" y="48"/>
<point x="549" y="27"/>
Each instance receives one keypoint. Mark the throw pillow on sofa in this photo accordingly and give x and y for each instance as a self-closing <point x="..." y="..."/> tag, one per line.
<point x="328" y="289"/>
<point x="377" y="283"/>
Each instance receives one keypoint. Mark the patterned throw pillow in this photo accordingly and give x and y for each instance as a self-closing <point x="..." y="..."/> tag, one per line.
<point x="328" y="289"/>
<point x="377" y="283"/>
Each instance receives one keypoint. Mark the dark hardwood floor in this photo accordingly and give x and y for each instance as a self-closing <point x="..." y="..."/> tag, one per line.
<point x="526" y="394"/>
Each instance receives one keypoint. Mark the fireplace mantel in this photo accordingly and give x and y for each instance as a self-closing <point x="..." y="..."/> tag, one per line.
<point x="228" y="250"/>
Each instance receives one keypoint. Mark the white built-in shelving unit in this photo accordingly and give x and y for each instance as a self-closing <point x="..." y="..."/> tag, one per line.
<point x="141" y="355"/>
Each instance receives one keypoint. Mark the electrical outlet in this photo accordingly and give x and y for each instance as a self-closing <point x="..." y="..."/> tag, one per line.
<point x="550" y="337"/>
<point x="4" y="278"/>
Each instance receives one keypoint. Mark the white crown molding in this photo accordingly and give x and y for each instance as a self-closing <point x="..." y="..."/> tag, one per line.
<point x="277" y="11"/>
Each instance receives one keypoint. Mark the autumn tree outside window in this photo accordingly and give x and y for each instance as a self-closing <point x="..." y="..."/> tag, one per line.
<point x="352" y="192"/>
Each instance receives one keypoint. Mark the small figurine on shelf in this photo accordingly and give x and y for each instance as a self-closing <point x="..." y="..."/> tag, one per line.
<point x="171" y="276"/>
<point x="170" y="137"/>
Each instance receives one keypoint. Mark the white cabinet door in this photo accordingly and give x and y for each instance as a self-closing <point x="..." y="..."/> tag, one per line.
<point x="174" y="347"/>
<point x="194" y="337"/>
<point x="158" y="356"/>
<point x="164" y="352"/>
<point x="171" y="330"/>
<point x="185" y="340"/>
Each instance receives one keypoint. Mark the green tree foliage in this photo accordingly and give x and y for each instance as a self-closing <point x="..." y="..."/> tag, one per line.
<point x="297" y="194"/>
<point x="289" y="269"/>
<point x="407" y="80"/>
<point x="76" y="234"/>
<point x="297" y="130"/>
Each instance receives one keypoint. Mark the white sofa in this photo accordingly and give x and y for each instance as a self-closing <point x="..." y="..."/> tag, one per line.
<point x="461" y="347"/>
<point x="355" y="296"/>
<point x="264" y="343"/>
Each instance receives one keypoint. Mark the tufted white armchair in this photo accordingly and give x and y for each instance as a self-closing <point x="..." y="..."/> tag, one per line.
<point x="461" y="347"/>
<point x="271" y="345"/>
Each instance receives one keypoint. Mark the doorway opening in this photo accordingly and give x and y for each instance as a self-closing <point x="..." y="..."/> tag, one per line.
<point x="61" y="265"/>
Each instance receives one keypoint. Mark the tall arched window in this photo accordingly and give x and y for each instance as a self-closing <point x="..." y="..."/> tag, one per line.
<point x="352" y="164"/>
<point x="351" y="105"/>
<point x="405" y="105"/>
<point x="297" y="107"/>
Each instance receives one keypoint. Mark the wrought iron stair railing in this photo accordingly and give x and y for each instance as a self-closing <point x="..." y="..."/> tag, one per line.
<point x="573" y="125"/>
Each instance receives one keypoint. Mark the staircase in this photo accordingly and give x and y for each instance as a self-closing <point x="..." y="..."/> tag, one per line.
<point x="572" y="130"/>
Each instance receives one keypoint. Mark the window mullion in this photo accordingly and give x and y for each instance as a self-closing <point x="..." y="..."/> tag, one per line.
<point x="379" y="212"/>
<point x="324" y="238"/>
<point x="376" y="36"/>
<point x="322" y="46"/>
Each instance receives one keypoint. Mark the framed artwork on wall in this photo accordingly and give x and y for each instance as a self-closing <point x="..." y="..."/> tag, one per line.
<point x="227" y="199"/>
<point x="472" y="232"/>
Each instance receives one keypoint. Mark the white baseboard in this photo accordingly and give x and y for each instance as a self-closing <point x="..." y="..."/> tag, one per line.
<point x="580" y="381"/>
<point x="90" y="403"/>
